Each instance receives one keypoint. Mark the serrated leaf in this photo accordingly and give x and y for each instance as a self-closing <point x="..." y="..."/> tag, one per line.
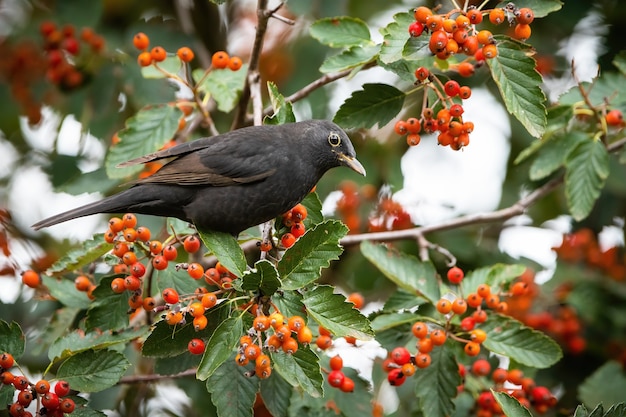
<point x="92" y="371"/>
<point x="587" y="168"/>
<point x="65" y="292"/>
<point x="609" y="85"/>
<point x="289" y="303"/>
<point x="145" y="132"/>
<point x="395" y="36"/>
<point x="435" y="385"/>
<point x="84" y="411"/>
<point x="177" y="279"/>
<point x="509" y="337"/>
<point x="89" y="251"/>
<point x="11" y="339"/>
<point x="541" y="8"/>
<point x="232" y="392"/>
<point x="389" y="321"/>
<point x="375" y="104"/>
<point x="220" y="347"/>
<point x="581" y="411"/>
<point x="595" y="389"/>
<point x="276" y="393"/>
<point x="616" y="410"/>
<point x="79" y="341"/>
<point x="496" y="276"/>
<point x="108" y="311"/>
<point x="227" y="250"/>
<point x="554" y="153"/>
<point x="598" y="411"/>
<point x="300" y="369"/>
<point x="511" y="407"/>
<point x="223" y="85"/>
<point x="351" y="58"/>
<point x="283" y="110"/>
<point x="342" y="31"/>
<point x="402" y="300"/>
<point x="262" y="278"/>
<point x="406" y="271"/>
<point x="302" y="263"/>
<point x="513" y="71"/>
<point x="331" y="311"/>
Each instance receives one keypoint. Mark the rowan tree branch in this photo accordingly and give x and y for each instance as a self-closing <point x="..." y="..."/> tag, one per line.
<point x="140" y="379"/>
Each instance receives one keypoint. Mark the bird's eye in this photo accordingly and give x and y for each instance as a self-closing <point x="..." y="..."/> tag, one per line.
<point x="334" y="139"/>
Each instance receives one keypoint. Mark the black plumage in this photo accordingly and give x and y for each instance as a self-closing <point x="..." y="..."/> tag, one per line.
<point x="231" y="181"/>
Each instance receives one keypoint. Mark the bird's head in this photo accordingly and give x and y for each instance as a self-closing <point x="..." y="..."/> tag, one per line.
<point x="334" y="146"/>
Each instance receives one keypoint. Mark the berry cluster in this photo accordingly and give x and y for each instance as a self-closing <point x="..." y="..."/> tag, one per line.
<point x="386" y="214"/>
<point x="50" y="402"/>
<point x="524" y="389"/>
<point x="454" y="33"/>
<point x="291" y="228"/>
<point x="270" y="333"/>
<point x="336" y="377"/>
<point x="65" y="59"/>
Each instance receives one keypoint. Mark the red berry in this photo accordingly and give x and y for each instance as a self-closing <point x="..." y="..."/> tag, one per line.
<point x="67" y="405"/>
<point x="336" y="378"/>
<point x="456" y="110"/>
<point x="141" y="41"/>
<point x="288" y="240"/>
<point x="400" y="127"/>
<point x="42" y="386"/>
<point x="451" y="87"/>
<point x="468" y="324"/>
<point x="455" y="275"/>
<point x="336" y="363"/>
<point x="400" y="355"/>
<point x="138" y="269"/>
<point x="422" y="73"/>
<point x="31" y="279"/>
<point x="170" y="252"/>
<point x="234" y="63"/>
<point x="191" y="244"/>
<point x="6" y="360"/>
<point x="416" y="29"/>
<point x="220" y="60"/>
<point x="298" y="229"/>
<point x="525" y="16"/>
<point x="50" y="400"/>
<point x="20" y="382"/>
<point x="396" y="377"/>
<point x="196" y="346"/>
<point x="62" y="388"/>
<point x="481" y="367"/>
<point x="347" y="385"/>
<point x="170" y="295"/>
<point x="615" y="118"/>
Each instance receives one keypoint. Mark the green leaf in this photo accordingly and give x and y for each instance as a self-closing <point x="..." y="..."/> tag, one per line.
<point x="598" y="411"/>
<point x="395" y="36"/>
<point x="608" y="86"/>
<point x="417" y="50"/>
<point x="554" y="153"/>
<point x="596" y="390"/>
<point x="509" y="337"/>
<point x="435" y="385"/>
<point x="171" y="64"/>
<point x="66" y="293"/>
<point x="620" y="62"/>
<point x="581" y="411"/>
<point x="289" y="303"/>
<point x="300" y="370"/>
<point x="332" y="311"/>
<point x="220" y="347"/>
<point x="541" y="8"/>
<point x="108" y="310"/>
<point x="497" y="276"/>
<point x="232" y="392"/>
<point x="89" y="251"/>
<point x="263" y="277"/>
<point x="513" y="71"/>
<point x="302" y="263"/>
<point x="587" y="170"/>
<point x="276" y="393"/>
<point x="79" y="341"/>
<point x="283" y="110"/>
<point x="145" y="132"/>
<point x="342" y="31"/>
<point x="227" y="250"/>
<point x="223" y="85"/>
<point x="510" y="405"/>
<point x="406" y="271"/>
<point x="389" y="321"/>
<point x="178" y="279"/>
<point x="92" y="371"/>
<point x="616" y="410"/>
<point x="11" y="339"/>
<point x="351" y="58"/>
<point x="376" y="103"/>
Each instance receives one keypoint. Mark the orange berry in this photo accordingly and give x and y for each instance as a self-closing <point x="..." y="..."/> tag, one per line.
<point x="144" y="59"/>
<point x="158" y="54"/>
<point x="305" y="335"/>
<point x="290" y="345"/>
<point x="419" y="329"/>
<point x="141" y="41"/>
<point x="484" y="37"/>
<point x="336" y="363"/>
<point x="220" y="60"/>
<point x="200" y="323"/>
<point x="492" y="301"/>
<point x="422" y="13"/>
<point x="466" y="69"/>
<point x="423" y="360"/>
<point x="413" y="139"/>
<point x="462" y="21"/>
<point x="31" y="279"/>
<point x="196" y="309"/>
<point x="356" y="299"/>
<point x="490" y="51"/>
<point x="525" y="16"/>
<point x="324" y="342"/>
<point x="438" y="337"/>
<point x="614" y="118"/>
<point x="234" y="63"/>
<point x="478" y="335"/>
<point x="143" y="233"/>
<point x="185" y="54"/>
<point x="444" y="306"/>
<point x="295" y="323"/>
<point x="521" y="32"/>
<point x="472" y="348"/>
<point x="459" y="306"/>
<point x="82" y="283"/>
<point x="209" y="300"/>
<point x="261" y="323"/>
<point x="497" y="16"/>
<point x="475" y="16"/>
<point x="425" y="345"/>
<point x="483" y="290"/>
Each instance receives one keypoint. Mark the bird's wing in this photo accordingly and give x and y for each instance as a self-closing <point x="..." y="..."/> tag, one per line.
<point x="221" y="164"/>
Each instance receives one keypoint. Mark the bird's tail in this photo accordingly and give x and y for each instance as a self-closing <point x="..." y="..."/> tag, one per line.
<point x="115" y="204"/>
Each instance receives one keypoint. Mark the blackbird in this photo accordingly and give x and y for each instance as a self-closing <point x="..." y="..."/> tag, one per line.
<point x="231" y="181"/>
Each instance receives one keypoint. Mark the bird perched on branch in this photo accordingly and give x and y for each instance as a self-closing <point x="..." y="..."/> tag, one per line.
<point x="231" y="181"/>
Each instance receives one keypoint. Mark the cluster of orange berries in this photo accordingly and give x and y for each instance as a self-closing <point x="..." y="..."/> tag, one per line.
<point x="54" y="401"/>
<point x="386" y="215"/>
<point x="291" y="229"/>
<point x="271" y="333"/>
<point x="526" y="391"/>
<point x="448" y="121"/>
<point x="219" y="60"/>
<point x="199" y="303"/>
<point x="337" y="378"/>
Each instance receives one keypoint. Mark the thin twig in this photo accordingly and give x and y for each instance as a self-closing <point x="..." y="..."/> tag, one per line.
<point x="140" y="379"/>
